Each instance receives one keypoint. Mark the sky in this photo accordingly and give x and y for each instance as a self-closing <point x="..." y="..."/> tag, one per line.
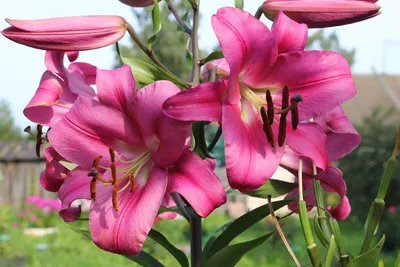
<point x="377" y="41"/>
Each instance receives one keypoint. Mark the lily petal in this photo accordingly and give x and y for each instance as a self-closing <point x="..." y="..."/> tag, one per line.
<point x="116" y="88"/>
<point x="197" y="183"/>
<point x="125" y="231"/>
<point x="248" y="47"/>
<point x="202" y="103"/>
<point x="289" y="35"/>
<point x="156" y="128"/>
<point x="75" y="186"/>
<point x="342" y="136"/>
<point x="309" y="140"/>
<point x="50" y="102"/>
<point x="53" y="176"/>
<point x="250" y="160"/>
<point x="314" y="75"/>
<point x="89" y="129"/>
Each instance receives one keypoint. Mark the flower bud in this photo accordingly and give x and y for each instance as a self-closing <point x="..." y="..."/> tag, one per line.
<point x="67" y="33"/>
<point x="322" y="13"/>
<point x="138" y="3"/>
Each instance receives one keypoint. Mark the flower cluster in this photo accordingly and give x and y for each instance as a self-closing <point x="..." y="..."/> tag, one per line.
<point x="130" y="148"/>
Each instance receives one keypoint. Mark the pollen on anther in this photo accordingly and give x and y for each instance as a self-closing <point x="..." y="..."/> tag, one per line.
<point x="267" y="127"/>
<point x="39" y="142"/>
<point x="270" y="107"/>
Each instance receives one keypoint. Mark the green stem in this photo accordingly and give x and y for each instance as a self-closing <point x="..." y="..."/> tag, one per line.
<point x="150" y="54"/>
<point x="195" y="220"/>
<point x="195" y="44"/>
<point x="305" y="223"/>
<point x="196" y="241"/>
<point x="178" y="18"/>
<point x="344" y="257"/>
<point x="378" y="205"/>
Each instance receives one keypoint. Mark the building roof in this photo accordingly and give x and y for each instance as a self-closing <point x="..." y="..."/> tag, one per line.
<point x="373" y="92"/>
<point x="19" y="151"/>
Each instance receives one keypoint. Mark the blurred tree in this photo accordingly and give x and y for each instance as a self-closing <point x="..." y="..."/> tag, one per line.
<point x="8" y="130"/>
<point x="320" y="40"/>
<point x="364" y="167"/>
<point x="170" y="46"/>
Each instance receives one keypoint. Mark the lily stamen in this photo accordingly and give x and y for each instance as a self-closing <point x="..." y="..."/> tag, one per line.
<point x="295" y="112"/>
<point x="282" y="121"/>
<point x="267" y="127"/>
<point x="270" y="103"/>
<point x="39" y="140"/>
<point x="114" y="180"/>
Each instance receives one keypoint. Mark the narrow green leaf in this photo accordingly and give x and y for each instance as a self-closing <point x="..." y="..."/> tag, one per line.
<point x="155" y="14"/>
<point x="213" y="56"/>
<point x="381" y="264"/>
<point x="319" y="232"/>
<point x="369" y="257"/>
<point x="239" y="4"/>
<point x="145" y="259"/>
<point x="170" y="209"/>
<point x="331" y="252"/>
<point x="231" y="255"/>
<point x="273" y="188"/>
<point x="145" y="72"/>
<point x="397" y="264"/>
<point x="163" y="241"/>
<point x="241" y="224"/>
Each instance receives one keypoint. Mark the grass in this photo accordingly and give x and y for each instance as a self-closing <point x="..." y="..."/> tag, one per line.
<point x="67" y="248"/>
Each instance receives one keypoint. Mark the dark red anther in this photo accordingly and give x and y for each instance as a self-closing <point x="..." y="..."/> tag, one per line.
<point x="39" y="129"/>
<point x="114" y="180"/>
<point x="282" y="121"/>
<point x="296" y="98"/>
<point x="131" y="183"/>
<point x="267" y="127"/>
<point x="282" y="131"/>
<point x="270" y="105"/>
<point x="93" y="188"/>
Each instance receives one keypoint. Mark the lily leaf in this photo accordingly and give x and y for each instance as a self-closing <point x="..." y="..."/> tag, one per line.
<point x="145" y="72"/>
<point x="155" y="14"/>
<point x="240" y="225"/>
<point x="145" y="259"/>
<point x="163" y="241"/>
<point x="170" y="209"/>
<point x="213" y="56"/>
<point x="369" y="257"/>
<point x="273" y="188"/>
<point x="231" y="255"/>
<point x="331" y="252"/>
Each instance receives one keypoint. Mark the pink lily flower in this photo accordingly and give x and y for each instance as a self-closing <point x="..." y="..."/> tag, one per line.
<point x="342" y="137"/>
<point x="59" y="88"/>
<point x="331" y="181"/>
<point x="138" y="3"/>
<point x="265" y="70"/>
<point x="53" y="176"/>
<point x="67" y="33"/>
<point x="321" y="13"/>
<point x="127" y="144"/>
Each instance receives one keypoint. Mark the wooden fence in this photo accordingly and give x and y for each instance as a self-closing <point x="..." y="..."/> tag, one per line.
<point x="19" y="173"/>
